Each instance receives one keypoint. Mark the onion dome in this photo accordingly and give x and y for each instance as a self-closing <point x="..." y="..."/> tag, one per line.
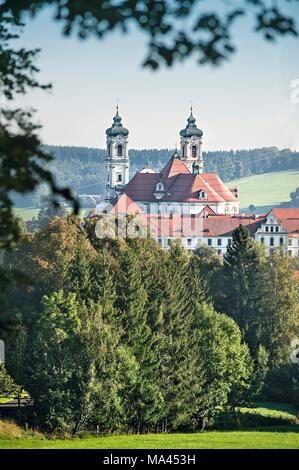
<point x="191" y="128"/>
<point x="117" y="127"/>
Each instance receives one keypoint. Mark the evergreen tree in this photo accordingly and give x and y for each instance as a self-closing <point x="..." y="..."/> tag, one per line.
<point x="79" y="278"/>
<point x="136" y="334"/>
<point x="178" y="378"/>
<point x="103" y="289"/>
<point x="242" y="280"/>
<point x="7" y="385"/>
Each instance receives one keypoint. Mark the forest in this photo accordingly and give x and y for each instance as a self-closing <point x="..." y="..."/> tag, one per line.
<point x="117" y="335"/>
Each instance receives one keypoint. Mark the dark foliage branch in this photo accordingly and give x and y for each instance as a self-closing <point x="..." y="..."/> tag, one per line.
<point x="176" y="29"/>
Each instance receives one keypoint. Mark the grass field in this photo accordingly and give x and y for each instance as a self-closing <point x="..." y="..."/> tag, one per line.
<point x="266" y="190"/>
<point x="285" y="437"/>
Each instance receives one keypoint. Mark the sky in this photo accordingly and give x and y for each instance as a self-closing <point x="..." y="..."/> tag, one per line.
<point x="245" y="103"/>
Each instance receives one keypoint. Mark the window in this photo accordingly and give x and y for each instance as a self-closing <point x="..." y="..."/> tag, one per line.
<point x="189" y="241"/>
<point x="276" y="229"/>
<point x="160" y="241"/>
<point x="194" y="151"/>
<point x="219" y="242"/>
<point x="210" y="241"/>
<point x="119" y="178"/>
<point x="229" y="242"/>
<point x="272" y="229"/>
<point x="271" y="241"/>
<point x="290" y="242"/>
<point x="281" y="241"/>
<point x="119" y="150"/>
<point x="262" y="240"/>
<point x="219" y="252"/>
<point x="267" y="229"/>
<point x="290" y="253"/>
<point x="202" y="194"/>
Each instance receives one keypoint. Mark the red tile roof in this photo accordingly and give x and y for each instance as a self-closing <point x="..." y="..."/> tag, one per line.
<point x="285" y="213"/>
<point x="218" y="185"/>
<point x="207" y="210"/>
<point x="289" y="219"/>
<point x="194" y="225"/>
<point x="180" y="185"/>
<point x="141" y="186"/>
<point x="125" y="205"/>
<point x="173" y="167"/>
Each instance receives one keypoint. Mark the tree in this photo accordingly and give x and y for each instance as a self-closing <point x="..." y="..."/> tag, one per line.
<point x="103" y="288"/>
<point x="280" y="317"/>
<point x="48" y="256"/>
<point x="225" y="362"/>
<point x="7" y="385"/>
<point x="16" y="357"/>
<point x="146" y="399"/>
<point x="209" y="266"/>
<point x="178" y="378"/>
<point x="242" y="281"/>
<point x="75" y="367"/>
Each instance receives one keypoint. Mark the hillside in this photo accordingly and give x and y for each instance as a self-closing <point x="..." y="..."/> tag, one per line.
<point x="266" y="190"/>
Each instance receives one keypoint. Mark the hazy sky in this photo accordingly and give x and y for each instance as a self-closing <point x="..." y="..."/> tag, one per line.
<point x="243" y="104"/>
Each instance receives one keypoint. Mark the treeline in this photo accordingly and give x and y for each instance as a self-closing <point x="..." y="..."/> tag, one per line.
<point x="114" y="335"/>
<point x="83" y="168"/>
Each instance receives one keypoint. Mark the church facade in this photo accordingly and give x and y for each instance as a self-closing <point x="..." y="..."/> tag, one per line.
<point x="181" y="187"/>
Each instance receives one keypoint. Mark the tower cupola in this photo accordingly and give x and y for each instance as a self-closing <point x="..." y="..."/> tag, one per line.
<point x="191" y="144"/>
<point x="117" y="158"/>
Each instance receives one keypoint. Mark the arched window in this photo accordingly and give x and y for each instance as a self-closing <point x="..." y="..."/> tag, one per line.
<point x="194" y="151"/>
<point x="202" y="194"/>
<point x="119" y="150"/>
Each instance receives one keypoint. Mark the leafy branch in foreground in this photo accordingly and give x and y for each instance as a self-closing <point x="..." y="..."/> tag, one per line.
<point x="175" y="29"/>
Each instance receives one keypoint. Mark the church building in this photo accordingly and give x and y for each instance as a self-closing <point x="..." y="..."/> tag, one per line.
<point x="181" y="187"/>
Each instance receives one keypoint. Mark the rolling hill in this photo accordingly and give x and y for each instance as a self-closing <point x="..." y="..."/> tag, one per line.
<point x="266" y="190"/>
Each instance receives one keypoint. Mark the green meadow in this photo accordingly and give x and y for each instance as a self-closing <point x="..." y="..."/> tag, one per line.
<point x="285" y="437"/>
<point x="266" y="190"/>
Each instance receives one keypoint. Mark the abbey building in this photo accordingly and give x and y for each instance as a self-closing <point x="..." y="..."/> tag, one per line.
<point x="182" y="201"/>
